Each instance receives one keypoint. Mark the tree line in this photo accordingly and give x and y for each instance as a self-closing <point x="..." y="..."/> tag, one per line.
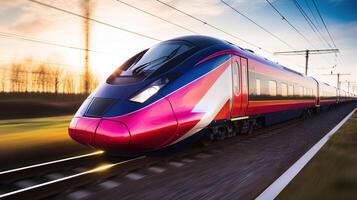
<point x="27" y="75"/>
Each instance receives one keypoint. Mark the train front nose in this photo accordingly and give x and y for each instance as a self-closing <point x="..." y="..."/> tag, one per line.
<point x="112" y="135"/>
<point x="104" y="124"/>
<point x="101" y="133"/>
<point x="89" y="127"/>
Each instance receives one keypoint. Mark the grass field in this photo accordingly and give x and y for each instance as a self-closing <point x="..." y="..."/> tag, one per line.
<point x="332" y="173"/>
<point x="26" y="133"/>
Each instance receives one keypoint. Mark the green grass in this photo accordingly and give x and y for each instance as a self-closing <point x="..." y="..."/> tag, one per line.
<point x="25" y="133"/>
<point x="332" y="173"/>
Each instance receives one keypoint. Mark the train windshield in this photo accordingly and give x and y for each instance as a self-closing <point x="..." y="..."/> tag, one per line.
<point x="155" y="57"/>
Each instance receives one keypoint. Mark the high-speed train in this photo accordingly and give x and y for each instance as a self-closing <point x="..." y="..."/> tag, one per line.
<point x="193" y="87"/>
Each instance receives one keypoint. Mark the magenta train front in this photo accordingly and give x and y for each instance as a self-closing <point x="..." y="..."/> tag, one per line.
<point x="172" y="92"/>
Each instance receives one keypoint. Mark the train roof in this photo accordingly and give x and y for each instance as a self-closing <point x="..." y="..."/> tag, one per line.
<point x="200" y="40"/>
<point x="203" y="41"/>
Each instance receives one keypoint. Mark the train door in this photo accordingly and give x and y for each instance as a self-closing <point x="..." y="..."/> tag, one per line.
<point x="244" y="85"/>
<point x="240" y="88"/>
<point x="236" y="93"/>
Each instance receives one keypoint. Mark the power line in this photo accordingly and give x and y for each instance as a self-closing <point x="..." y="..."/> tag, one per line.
<point x="158" y="17"/>
<point x="287" y="21"/>
<point x="212" y="26"/>
<point x="95" y="20"/>
<point x="25" y="38"/>
<point x="338" y="78"/>
<point x="328" y="32"/>
<point x="307" y="53"/>
<point x="284" y="18"/>
<point x="312" y="13"/>
<point x="260" y="26"/>
<point x="323" y="21"/>
<point x="311" y="24"/>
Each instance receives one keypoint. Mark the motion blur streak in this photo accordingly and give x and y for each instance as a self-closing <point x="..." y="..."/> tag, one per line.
<point x="97" y="169"/>
<point x="52" y="162"/>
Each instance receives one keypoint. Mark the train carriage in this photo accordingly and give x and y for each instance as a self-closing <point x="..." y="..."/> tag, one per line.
<point x="188" y="88"/>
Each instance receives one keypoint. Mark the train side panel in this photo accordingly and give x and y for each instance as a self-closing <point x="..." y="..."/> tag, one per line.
<point x="278" y="94"/>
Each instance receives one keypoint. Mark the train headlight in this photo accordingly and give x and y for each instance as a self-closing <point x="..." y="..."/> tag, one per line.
<point x="148" y="92"/>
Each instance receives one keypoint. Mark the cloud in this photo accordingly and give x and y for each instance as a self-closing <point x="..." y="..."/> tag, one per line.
<point x="20" y="17"/>
<point x="26" y="17"/>
<point x="31" y="25"/>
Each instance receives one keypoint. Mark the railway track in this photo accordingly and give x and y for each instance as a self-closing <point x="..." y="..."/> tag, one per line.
<point x="57" y="178"/>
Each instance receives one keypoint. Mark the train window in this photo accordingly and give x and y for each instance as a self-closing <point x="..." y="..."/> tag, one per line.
<point x="244" y="67"/>
<point x="257" y="86"/>
<point x="290" y="90"/>
<point x="272" y="88"/>
<point x="284" y="90"/>
<point x="155" y="57"/>
<point x="305" y="92"/>
<point x="301" y="91"/>
<point x="235" y="66"/>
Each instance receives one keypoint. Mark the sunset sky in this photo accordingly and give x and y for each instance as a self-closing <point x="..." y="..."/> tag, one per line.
<point x="31" y="20"/>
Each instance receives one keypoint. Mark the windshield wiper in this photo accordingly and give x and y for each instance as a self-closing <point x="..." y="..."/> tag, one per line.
<point x="137" y="70"/>
<point x="173" y="53"/>
<point x="141" y="67"/>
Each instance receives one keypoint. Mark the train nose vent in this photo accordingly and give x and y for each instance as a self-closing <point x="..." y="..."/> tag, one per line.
<point x="98" y="107"/>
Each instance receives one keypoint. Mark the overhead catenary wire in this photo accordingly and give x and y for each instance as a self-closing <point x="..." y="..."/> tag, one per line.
<point x="30" y="39"/>
<point x="327" y="30"/>
<point x="218" y="29"/>
<point x="311" y="23"/>
<point x="312" y="13"/>
<point x="213" y="26"/>
<point x="289" y="23"/>
<point x="95" y="20"/>
<point x="323" y="22"/>
<point x="156" y="16"/>
<point x="260" y="26"/>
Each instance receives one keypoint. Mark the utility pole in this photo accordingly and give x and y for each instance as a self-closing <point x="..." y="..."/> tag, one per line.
<point x="338" y="78"/>
<point x="348" y="85"/>
<point x="307" y="53"/>
<point x="353" y="88"/>
<point x="87" y="8"/>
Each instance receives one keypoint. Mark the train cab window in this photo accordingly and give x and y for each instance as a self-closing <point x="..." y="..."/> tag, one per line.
<point x="284" y="90"/>
<point x="290" y="90"/>
<point x="272" y="88"/>
<point x="149" y="61"/>
<point x="257" y="86"/>
<point x="235" y="66"/>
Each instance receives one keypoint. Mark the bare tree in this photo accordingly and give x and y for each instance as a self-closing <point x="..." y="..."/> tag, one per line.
<point x="56" y="73"/>
<point x="30" y="76"/>
<point x="3" y="78"/>
<point x="15" y="74"/>
<point x="68" y="84"/>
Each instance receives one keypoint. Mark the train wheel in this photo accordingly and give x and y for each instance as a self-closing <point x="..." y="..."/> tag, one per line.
<point x="222" y="133"/>
<point x="208" y="138"/>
